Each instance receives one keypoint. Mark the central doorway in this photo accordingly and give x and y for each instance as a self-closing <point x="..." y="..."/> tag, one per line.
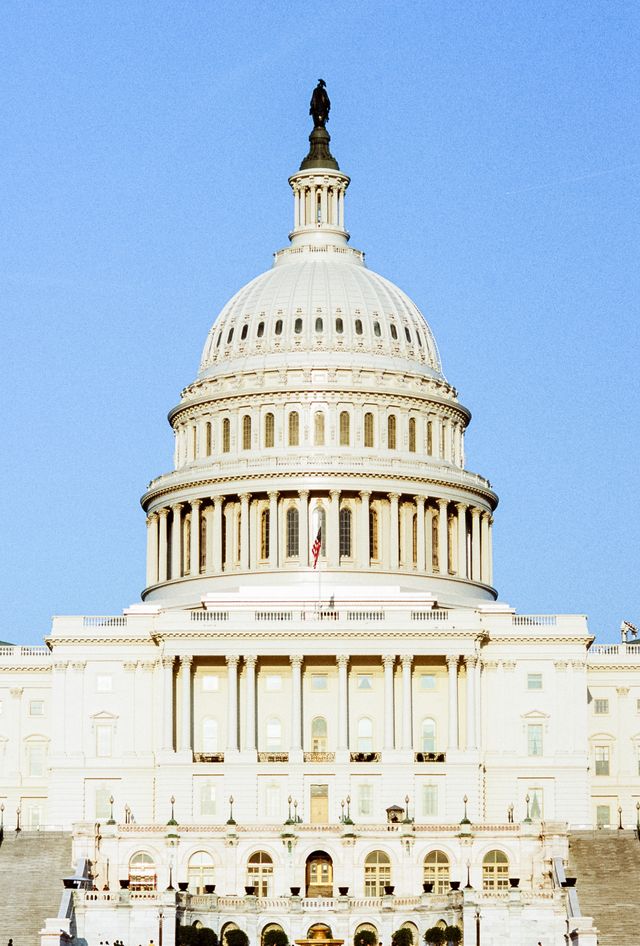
<point x="319" y="875"/>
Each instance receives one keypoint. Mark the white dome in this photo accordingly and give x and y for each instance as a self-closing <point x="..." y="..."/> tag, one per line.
<point x="321" y="298"/>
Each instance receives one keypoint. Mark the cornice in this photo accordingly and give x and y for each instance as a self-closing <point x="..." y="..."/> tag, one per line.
<point x="25" y="668"/>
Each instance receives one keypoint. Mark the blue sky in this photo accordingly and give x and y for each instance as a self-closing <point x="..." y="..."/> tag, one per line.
<point x="495" y="161"/>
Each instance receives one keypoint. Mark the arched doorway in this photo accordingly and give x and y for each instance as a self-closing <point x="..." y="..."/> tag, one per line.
<point x="319" y="875"/>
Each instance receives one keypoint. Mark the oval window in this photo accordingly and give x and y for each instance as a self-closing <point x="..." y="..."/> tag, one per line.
<point x="243" y="333"/>
<point x="279" y="327"/>
<point x="407" y="334"/>
<point x="297" y="328"/>
<point x="376" y="329"/>
<point x="318" y="325"/>
<point x="339" y="326"/>
<point x="419" y="337"/>
<point x="260" y="331"/>
<point x="219" y="339"/>
<point x="230" y="335"/>
<point x="358" y="327"/>
<point x="394" y="332"/>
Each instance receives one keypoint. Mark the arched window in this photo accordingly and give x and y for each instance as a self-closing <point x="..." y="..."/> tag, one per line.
<point x="430" y="437"/>
<point x="414" y="538"/>
<point x="269" y="430"/>
<point x="226" y="435"/>
<point x="319" y="874"/>
<point x="391" y="432"/>
<point x="345" y="533"/>
<point x="274" y="734"/>
<point x="264" y="534"/>
<point x="293" y="531"/>
<point x="319" y="325"/>
<point x="207" y="438"/>
<point x="294" y="429"/>
<point x="368" y="430"/>
<point x="358" y="326"/>
<point x="318" y="429"/>
<point x="435" y="543"/>
<point x="373" y="533"/>
<point x="319" y="734"/>
<point x="200" y="871"/>
<point x="278" y="328"/>
<point x="495" y="871"/>
<point x="209" y="735"/>
<point x="377" y="873"/>
<point x="412" y="435"/>
<point x="260" y="331"/>
<point x="202" y="564"/>
<point x="243" y="333"/>
<point x="339" y="326"/>
<point x="142" y="872"/>
<point x="376" y="329"/>
<point x="437" y="871"/>
<point x="230" y="335"/>
<point x="428" y="735"/>
<point x="219" y="339"/>
<point x="260" y="873"/>
<point x="246" y="432"/>
<point x="365" y="734"/>
<point x="344" y="428"/>
<point x="407" y="334"/>
<point x="394" y="332"/>
<point x="297" y="326"/>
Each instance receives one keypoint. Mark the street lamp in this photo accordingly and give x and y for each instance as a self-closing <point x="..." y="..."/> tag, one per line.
<point x="111" y="818"/>
<point x="468" y="884"/>
<point x="230" y="818"/>
<point x="638" y="816"/>
<point x="18" y="828"/>
<point x="619" y="817"/>
<point x="527" y="820"/>
<point x="477" y="917"/>
<point x="171" y="887"/>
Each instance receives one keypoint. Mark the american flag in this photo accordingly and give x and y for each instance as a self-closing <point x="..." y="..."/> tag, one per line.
<point x="317" y="545"/>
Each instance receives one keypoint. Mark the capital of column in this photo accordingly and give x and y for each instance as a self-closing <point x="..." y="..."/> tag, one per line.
<point x="151" y="518"/>
<point x="388" y="660"/>
<point x="342" y="660"/>
<point x="60" y="665"/>
<point x="195" y="503"/>
<point x="245" y="497"/>
<point x="471" y="660"/>
<point x="461" y="507"/>
<point x="302" y="493"/>
<point x="407" y="660"/>
<point x="167" y="662"/>
<point x="79" y="665"/>
<point x="394" y="497"/>
<point x="296" y="661"/>
<point x="452" y="661"/>
<point x="475" y="512"/>
<point x="163" y="513"/>
<point x="365" y="493"/>
<point x="442" y="503"/>
<point x="217" y="500"/>
<point x="334" y="494"/>
<point x="250" y="660"/>
<point x="186" y="660"/>
<point x="419" y="500"/>
<point x="232" y="661"/>
<point x="176" y="507"/>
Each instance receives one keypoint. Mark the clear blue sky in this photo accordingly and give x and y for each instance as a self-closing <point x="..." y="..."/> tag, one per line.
<point x="495" y="160"/>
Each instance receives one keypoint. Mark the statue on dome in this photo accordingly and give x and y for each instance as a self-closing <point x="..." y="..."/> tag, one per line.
<point x="320" y="105"/>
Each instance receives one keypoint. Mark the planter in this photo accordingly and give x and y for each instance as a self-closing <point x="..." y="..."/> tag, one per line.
<point x="183" y="886"/>
<point x="124" y="883"/>
<point x="343" y="891"/>
<point x="295" y="891"/>
<point x="454" y="884"/>
<point x="514" y="882"/>
<point x="569" y="882"/>
<point x="427" y="886"/>
<point x="250" y="890"/>
<point x="209" y="888"/>
<point x="388" y="889"/>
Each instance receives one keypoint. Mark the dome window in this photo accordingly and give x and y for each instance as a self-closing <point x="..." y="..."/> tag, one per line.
<point x="269" y="430"/>
<point x="278" y="329"/>
<point x="219" y="339"/>
<point x="294" y="429"/>
<point x="412" y="435"/>
<point x="391" y="432"/>
<point x="344" y="428"/>
<point x="260" y="331"/>
<point x="319" y="325"/>
<point x="407" y="334"/>
<point x="339" y="326"/>
<point x="376" y="329"/>
<point x="394" y="332"/>
<point x="345" y="532"/>
<point x="368" y="429"/>
<point x="246" y="432"/>
<point x="230" y="335"/>
<point x="318" y="429"/>
<point x="243" y="333"/>
<point x="226" y="435"/>
<point x="358" y="326"/>
<point x="297" y="326"/>
<point x="419" y="337"/>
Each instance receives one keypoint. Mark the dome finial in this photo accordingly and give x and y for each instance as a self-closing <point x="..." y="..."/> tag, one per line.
<point x="319" y="154"/>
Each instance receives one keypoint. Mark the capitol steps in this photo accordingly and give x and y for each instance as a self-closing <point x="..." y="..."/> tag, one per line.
<point x="607" y="866"/>
<point x="32" y="865"/>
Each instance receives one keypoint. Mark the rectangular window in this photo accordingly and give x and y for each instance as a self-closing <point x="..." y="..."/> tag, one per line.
<point x="35" y="760"/>
<point x="104" y="683"/>
<point x="36" y="707"/>
<point x="272" y="805"/>
<point x="601" y="707"/>
<point x="273" y="683"/>
<point x="365" y="681"/>
<point x="602" y="760"/>
<point x="274" y="735"/>
<point x="319" y="681"/>
<point x="207" y="799"/>
<point x="365" y="800"/>
<point x="104" y="740"/>
<point x="210" y="683"/>
<point x="427" y="681"/>
<point x="430" y="801"/>
<point x="534" y="739"/>
<point x="534" y="681"/>
<point x="319" y="798"/>
<point x="536" y="807"/>
<point x="102" y="803"/>
<point x="603" y="816"/>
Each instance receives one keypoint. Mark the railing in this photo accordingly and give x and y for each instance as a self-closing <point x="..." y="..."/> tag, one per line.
<point x="430" y="757"/>
<point x="365" y="756"/>
<point x="273" y="615"/>
<point x="273" y="757"/>
<point x="534" y="620"/>
<point x="435" y="615"/>
<point x="615" y="649"/>
<point x="365" y="615"/>
<point x="17" y="650"/>
<point x="118" y="620"/>
<point x="319" y="756"/>
<point x="208" y="756"/>
<point x="209" y="615"/>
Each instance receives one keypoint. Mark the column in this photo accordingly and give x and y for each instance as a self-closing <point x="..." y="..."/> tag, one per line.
<point x="152" y="549"/>
<point x="216" y="538"/>
<point x="462" y="540"/>
<point x="176" y="541"/>
<point x="484" y="547"/>
<point x="333" y="529"/>
<point x="303" y="519"/>
<point x="447" y="439"/>
<point x="443" y="538"/>
<point x="343" y="702"/>
<point x="244" y="531"/>
<point x="490" y="552"/>
<point x="421" y="558"/>
<point x="194" y="552"/>
<point x="394" y="530"/>
<point x="167" y="703"/>
<point x="296" y="702"/>
<point x="436" y="437"/>
<point x="407" y="728"/>
<point x="185" y="688"/>
<point x="388" y="662"/>
<point x="163" y="551"/>
<point x="323" y="205"/>
<point x="452" y="664"/>
<point x="250" y="698"/>
<point x="475" y="544"/>
<point x="273" y="529"/>
<point x="232" y="704"/>
<point x="470" y="661"/>
<point x="341" y="209"/>
<point x="363" y="532"/>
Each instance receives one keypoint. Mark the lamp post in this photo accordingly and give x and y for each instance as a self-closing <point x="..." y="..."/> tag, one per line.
<point x="342" y="811"/>
<point x="18" y="828"/>
<point x="638" y="816"/>
<point x="289" y="800"/>
<point x="349" y="809"/>
<point x="477" y="917"/>
<point x="111" y="818"/>
<point x="230" y="818"/>
<point x="468" y="884"/>
<point x="171" y="887"/>
<point x="465" y="819"/>
<point x="527" y="820"/>
<point x="296" y="819"/>
<point x="619" y="817"/>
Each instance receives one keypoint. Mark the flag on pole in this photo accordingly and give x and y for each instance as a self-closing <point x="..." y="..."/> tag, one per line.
<point x="317" y="545"/>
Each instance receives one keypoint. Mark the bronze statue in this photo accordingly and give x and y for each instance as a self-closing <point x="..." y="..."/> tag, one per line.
<point x="320" y="105"/>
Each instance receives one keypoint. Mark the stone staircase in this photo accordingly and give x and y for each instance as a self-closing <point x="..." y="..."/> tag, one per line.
<point x="32" y="865"/>
<point x="607" y="865"/>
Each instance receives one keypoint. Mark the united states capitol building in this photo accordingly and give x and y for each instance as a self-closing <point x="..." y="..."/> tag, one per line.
<point x="375" y="742"/>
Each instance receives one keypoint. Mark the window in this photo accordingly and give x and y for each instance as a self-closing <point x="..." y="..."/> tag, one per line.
<point x="602" y="760"/>
<point x="202" y="565"/>
<point x="319" y="325"/>
<point x="534" y="739"/>
<point x="344" y="428"/>
<point x="272" y="801"/>
<point x="260" y="331"/>
<point x="274" y="734"/>
<point x="104" y="683"/>
<point x="278" y="328"/>
<point x="226" y="435"/>
<point x="273" y="683"/>
<point x="104" y="741"/>
<point x="536" y="809"/>
<point x="269" y="430"/>
<point x="142" y="872"/>
<point x="200" y="870"/>
<point x="358" y="326"/>
<point x="429" y="437"/>
<point x="377" y="873"/>
<point x="391" y="432"/>
<point x="365" y="800"/>
<point x="430" y="801"/>
<point x="243" y="333"/>
<point x="36" y="707"/>
<point x="219" y="339"/>
<point x="407" y="334"/>
<point x="102" y="803"/>
<point x="294" y="429"/>
<point x="373" y="534"/>
<point x="345" y="533"/>
<point x="603" y="816"/>
<point x="207" y="438"/>
<point x="318" y="429"/>
<point x="319" y="734"/>
<point x="534" y="681"/>
<point x="495" y="871"/>
<point x="319" y="681"/>
<point x="209" y="735"/>
<point x="292" y="533"/>
<point x="412" y="435"/>
<point x="246" y="432"/>
<point x="210" y="683"/>
<point x="264" y="534"/>
<point x="260" y="873"/>
<point x="436" y="870"/>
<point x="36" y="757"/>
<point x="427" y="681"/>
<point x="297" y="326"/>
<point x="428" y="735"/>
<point x="207" y="799"/>
<point x="394" y="332"/>
<point x="414" y="538"/>
<point x="601" y="707"/>
<point x="368" y="429"/>
<point x="364" y="681"/>
<point x="339" y="326"/>
<point x="230" y="335"/>
<point x="365" y="734"/>
<point x="376" y="329"/>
